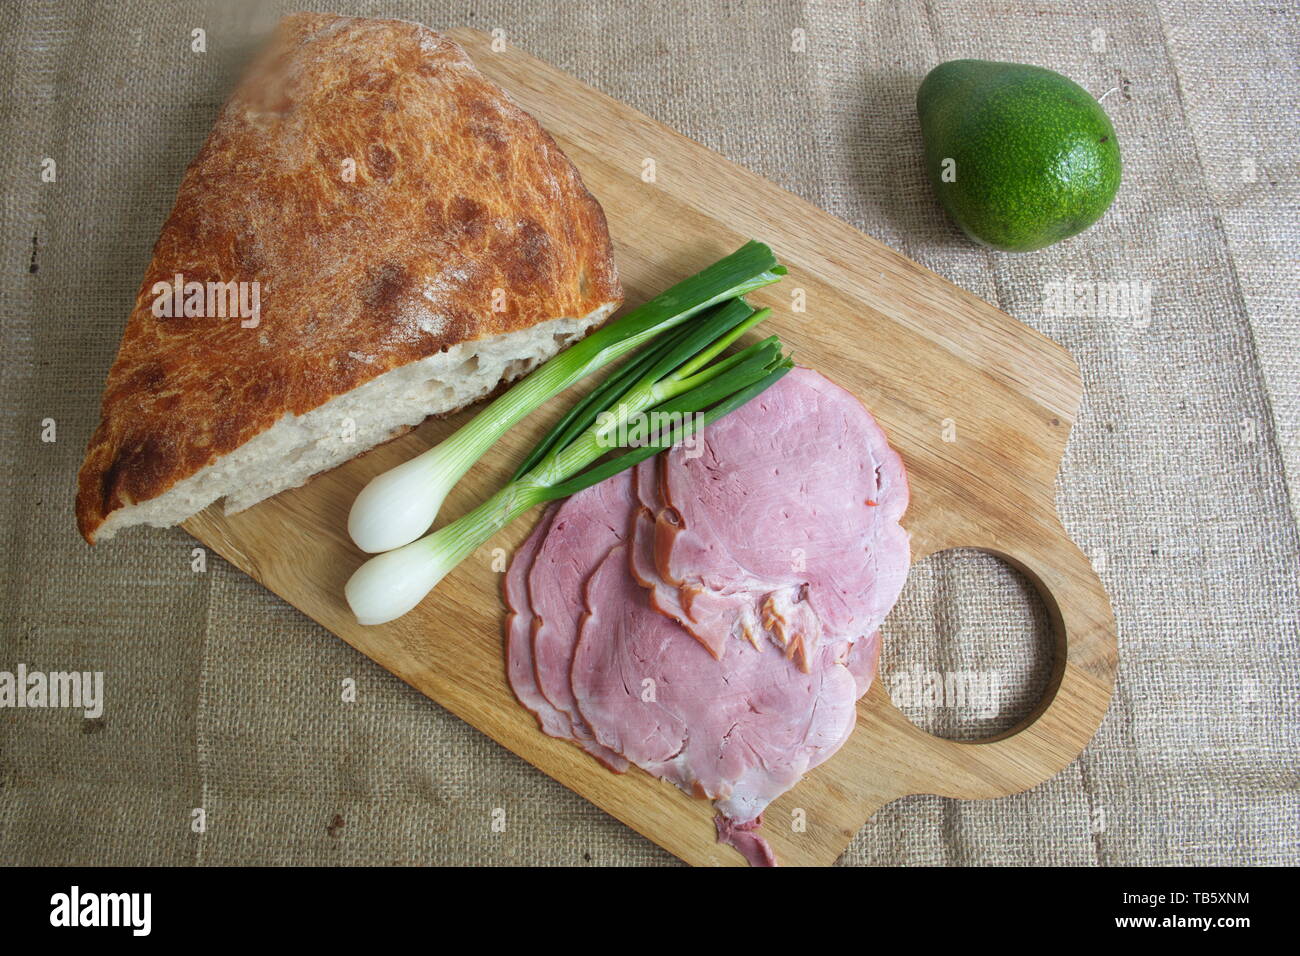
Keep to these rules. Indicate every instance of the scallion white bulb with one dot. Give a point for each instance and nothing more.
(390, 584)
(400, 505)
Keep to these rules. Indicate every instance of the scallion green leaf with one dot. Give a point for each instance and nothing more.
(608, 469)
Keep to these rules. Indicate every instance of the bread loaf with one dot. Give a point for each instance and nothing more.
(389, 237)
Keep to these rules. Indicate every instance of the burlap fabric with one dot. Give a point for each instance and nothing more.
(222, 697)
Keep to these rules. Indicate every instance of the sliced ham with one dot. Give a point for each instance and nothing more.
(786, 527)
(644, 610)
(642, 561)
(521, 623)
(740, 730)
(519, 634)
(860, 655)
(744, 839)
(582, 531)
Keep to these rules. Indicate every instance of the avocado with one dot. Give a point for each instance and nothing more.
(1020, 156)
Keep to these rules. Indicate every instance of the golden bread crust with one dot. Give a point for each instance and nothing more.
(389, 202)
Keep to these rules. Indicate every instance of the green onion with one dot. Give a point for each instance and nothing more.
(680, 381)
(594, 476)
(398, 506)
(721, 326)
(584, 412)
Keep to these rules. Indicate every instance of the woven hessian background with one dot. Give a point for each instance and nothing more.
(1178, 481)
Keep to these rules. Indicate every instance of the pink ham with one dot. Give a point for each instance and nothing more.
(520, 667)
(583, 530)
(663, 597)
(740, 730)
(786, 528)
(644, 609)
(862, 657)
(744, 839)
(519, 634)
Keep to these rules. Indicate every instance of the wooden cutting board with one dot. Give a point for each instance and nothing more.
(930, 360)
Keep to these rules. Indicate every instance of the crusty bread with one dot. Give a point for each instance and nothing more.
(462, 250)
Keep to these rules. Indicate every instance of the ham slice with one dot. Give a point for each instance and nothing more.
(740, 730)
(582, 531)
(519, 634)
(521, 625)
(785, 529)
(744, 839)
(860, 655)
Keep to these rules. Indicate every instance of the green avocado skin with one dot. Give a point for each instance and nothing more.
(1036, 156)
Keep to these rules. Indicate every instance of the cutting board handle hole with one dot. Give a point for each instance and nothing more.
(969, 651)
